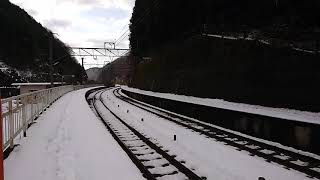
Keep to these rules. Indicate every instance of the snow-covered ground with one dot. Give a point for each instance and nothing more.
(288, 114)
(207, 157)
(15, 73)
(160, 110)
(68, 142)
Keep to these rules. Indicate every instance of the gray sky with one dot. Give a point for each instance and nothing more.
(86, 23)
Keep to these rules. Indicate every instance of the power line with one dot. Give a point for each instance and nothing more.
(124, 27)
(138, 21)
(123, 33)
(123, 38)
(147, 12)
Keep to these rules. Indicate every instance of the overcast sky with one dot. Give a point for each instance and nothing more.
(86, 23)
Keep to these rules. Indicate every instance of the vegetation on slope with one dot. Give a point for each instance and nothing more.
(156, 22)
(181, 60)
(24, 46)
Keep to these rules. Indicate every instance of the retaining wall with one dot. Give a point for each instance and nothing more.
(300, 135)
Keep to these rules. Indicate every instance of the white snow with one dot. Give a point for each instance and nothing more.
(207, 157)
(35, 84)
(223, 37)
(132, 141)
(69, 142)
(194, 121)
(8, 70)
(261, 41)
(303, 50)
(282, 113)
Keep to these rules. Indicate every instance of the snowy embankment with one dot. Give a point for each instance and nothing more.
(282, 113)
(263, 41)
(69, 142)
(17, 75)
(207, 157)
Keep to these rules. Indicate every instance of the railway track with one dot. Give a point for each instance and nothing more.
(288, 159)
(152, 160)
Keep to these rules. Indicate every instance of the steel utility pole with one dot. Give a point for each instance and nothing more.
(82, 75)
(50, 58)
(82, 62)
(1, 141)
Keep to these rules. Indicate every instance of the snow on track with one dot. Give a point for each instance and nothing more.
(294, 150)
(206, 156)
(139, 148)
(69, 142)
(273, 152)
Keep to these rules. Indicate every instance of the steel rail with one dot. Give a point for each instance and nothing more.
(183, 169)
(219, 134)
(133, 158)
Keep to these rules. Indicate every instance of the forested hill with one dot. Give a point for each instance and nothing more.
(155, 22)
(24, 49)
(262, 52)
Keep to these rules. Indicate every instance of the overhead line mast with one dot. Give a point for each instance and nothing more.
(112, 52)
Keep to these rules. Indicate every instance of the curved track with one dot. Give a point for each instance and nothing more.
(151, 159)
(289, 159)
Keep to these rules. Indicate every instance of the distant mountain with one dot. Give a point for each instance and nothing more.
(24, 47)
(120, 71)
(94, 74)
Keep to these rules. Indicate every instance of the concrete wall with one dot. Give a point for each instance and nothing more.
(303, 136)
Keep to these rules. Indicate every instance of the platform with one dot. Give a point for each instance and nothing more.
(69, 142)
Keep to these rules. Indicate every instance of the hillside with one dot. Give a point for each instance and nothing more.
(248, 52)
(94, 74)
(24, 48)
(119, 71)
(155, 23)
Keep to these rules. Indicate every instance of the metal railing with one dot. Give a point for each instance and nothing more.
(19, 112)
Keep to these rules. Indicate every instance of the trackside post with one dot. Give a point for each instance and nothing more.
(1, 143)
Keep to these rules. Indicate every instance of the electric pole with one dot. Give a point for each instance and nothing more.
(82, 62)
(50, 59)
(1, 141)
(82, 75)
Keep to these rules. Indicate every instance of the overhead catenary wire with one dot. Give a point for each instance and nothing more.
(123, 34)
(123, 38)
(135, 24)
(124, 27)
